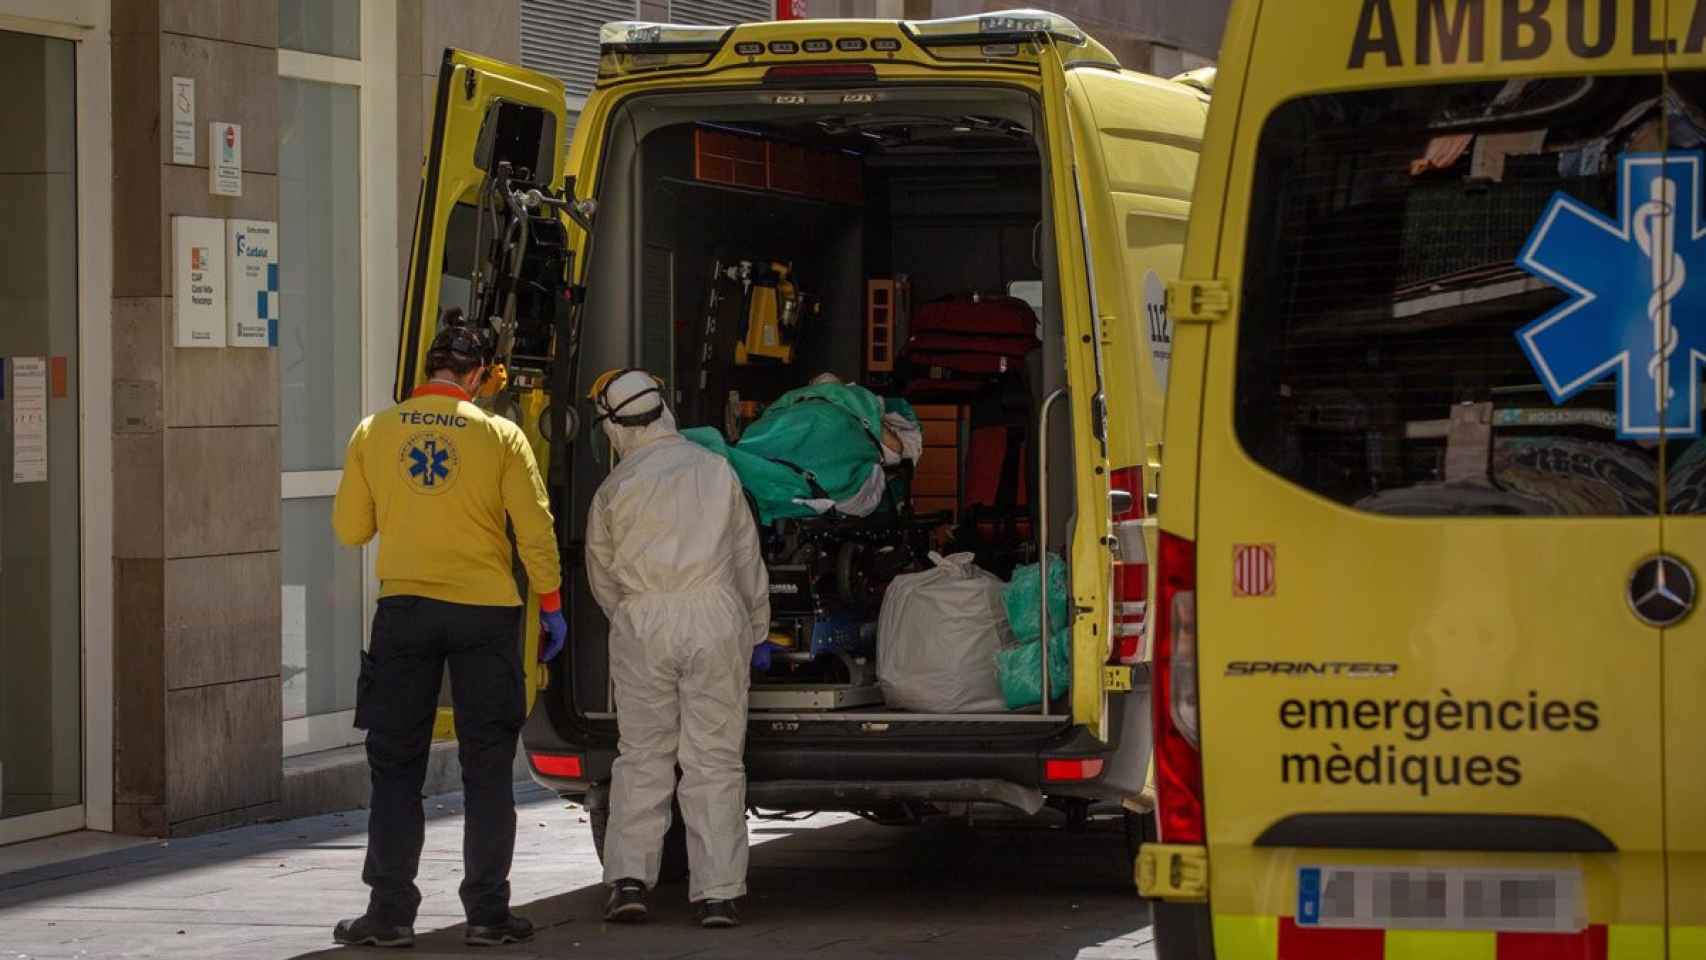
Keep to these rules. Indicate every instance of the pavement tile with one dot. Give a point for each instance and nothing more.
(829, 887)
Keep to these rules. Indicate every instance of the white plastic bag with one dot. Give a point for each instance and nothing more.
(938, 636)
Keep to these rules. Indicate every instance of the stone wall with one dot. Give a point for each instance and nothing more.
(197, 712)
(197, 734)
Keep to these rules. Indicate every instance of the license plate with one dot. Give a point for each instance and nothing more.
(1548, 901)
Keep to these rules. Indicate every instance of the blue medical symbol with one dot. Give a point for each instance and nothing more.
(428, 464)
(1637, 308)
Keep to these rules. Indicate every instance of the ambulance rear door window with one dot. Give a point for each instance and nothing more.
(1414, 337)
(1685, 466)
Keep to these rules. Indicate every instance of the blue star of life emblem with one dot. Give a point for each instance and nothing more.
(1637, 286)
(427, 463)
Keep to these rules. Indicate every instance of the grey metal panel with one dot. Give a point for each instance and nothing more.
(560, 37)
(717, 12)
(657, 310)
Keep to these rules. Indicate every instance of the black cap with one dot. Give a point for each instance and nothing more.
(459, 338)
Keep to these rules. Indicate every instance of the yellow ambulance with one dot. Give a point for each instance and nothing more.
(1429, 679)
(1004, 164)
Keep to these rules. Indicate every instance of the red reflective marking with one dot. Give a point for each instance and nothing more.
(1590, 944)
(1253, 570)
(1315, 943)
(557, 765)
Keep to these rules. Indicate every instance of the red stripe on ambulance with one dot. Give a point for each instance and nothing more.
(1329, 943)
(1590, 944)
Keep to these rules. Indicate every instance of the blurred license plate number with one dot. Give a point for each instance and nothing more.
(1457, 899)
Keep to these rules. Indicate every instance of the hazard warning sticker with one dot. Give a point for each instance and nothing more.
(1253, 570)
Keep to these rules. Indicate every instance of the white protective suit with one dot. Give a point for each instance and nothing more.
(673, 558)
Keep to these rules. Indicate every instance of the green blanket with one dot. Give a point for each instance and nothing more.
(812, 443)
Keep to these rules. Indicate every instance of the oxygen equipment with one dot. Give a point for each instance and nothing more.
(772, 313)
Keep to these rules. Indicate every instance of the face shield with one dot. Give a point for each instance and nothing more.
(624, 403)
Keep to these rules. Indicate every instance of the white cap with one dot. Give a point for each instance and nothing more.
(824, 378)
(629, 386)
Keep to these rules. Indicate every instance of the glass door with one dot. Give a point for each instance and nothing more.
(41, 669)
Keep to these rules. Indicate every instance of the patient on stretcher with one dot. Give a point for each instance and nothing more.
(821, 448)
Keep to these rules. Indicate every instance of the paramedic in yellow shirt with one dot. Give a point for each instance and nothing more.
(436, 477)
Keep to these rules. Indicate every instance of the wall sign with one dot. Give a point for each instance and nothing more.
(198, 281)
(183, 120)
(29, 419)
(251, 259)
(225, 159)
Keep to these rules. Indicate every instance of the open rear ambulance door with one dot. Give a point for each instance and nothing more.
(487, 243)
(1135, 151)
(487, 114)
(1087, 543)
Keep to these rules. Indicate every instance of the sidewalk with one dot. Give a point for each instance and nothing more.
(829, 886)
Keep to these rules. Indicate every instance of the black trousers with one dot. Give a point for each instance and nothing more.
(396, 700)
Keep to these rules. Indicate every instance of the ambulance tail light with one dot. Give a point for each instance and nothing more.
(1131, 568)
(1178, 757)
(567, 766)
(1072, 771)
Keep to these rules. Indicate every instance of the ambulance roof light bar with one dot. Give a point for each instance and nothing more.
(1006, 26)
(634, 36)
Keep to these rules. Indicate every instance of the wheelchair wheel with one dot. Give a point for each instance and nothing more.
(850, 579)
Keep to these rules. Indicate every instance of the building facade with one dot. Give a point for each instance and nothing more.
(179, 622)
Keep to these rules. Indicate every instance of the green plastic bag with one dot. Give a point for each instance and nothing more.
(1020, 671)
(814, 442)
(1021, 599)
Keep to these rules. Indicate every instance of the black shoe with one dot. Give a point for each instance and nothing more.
(365, 931)
(513, 929)
(718, 914)
(627, 903)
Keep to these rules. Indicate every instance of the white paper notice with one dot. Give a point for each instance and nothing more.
(29, 420)
(183, 120)
(225, 159)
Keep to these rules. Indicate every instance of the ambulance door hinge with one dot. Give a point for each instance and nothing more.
(1198, 301)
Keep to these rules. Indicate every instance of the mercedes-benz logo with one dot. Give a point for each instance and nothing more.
(1662, 591)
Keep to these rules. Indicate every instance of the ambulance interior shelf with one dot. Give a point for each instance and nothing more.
(1525, 457)
(1468, 431)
